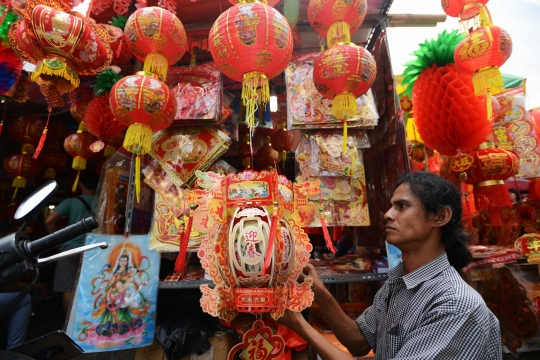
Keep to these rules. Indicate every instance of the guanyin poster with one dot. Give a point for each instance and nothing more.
(116, 295)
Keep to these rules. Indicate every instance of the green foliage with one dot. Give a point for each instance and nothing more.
(438, 51)
(119, 21)
(104, 81)
(9, 18)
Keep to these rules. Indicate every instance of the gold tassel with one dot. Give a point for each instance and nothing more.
(138, 136)
(485, 17)
(344, 106)
(156, 64)
(19, 182)
(246, 163)
(79, 163)
(283, 157)
(63, 71)
(50, 173)
(322, 47)
(76, 182)
(15, 194)
(193, 61)
(138, 176)
(251, 82)
(28, 149)
(82, 127)
(489, 105)
(344, 145)
(109, 151)
(487, 78)
(338, 32)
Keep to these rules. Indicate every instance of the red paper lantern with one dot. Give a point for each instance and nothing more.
(21, 166)
(52, 160)
(251, 43)
(78, 109)
(157, 38)
(26, 130)
(146, 105)
(267, 157)
(78, 146)
(23, 43)
(465, 9)
(271, 3)
(449, 117)
(481, 54)
(282, 141)
(336, 20)
(487, 169)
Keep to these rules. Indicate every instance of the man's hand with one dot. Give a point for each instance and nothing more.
(318, 286)
(292, 319)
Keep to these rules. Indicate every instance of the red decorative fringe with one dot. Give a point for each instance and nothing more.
(495, 216)
(271, 237)
(180, 261)
(492, 198)
(43, 137)
(180, 264)
(327, 238)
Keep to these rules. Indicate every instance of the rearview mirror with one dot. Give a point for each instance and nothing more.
(31, 205)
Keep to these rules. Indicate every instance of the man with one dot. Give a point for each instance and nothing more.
(75, 209)
(424, 310)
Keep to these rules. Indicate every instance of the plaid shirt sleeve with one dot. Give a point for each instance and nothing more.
(448, 332)
(368, 321)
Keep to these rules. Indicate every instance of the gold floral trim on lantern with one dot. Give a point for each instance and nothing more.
(59, 68)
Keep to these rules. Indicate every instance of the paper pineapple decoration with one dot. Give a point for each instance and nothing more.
(449, 116)
(251, 43)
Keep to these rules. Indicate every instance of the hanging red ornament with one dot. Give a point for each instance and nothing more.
(78, 146)
(115, 38)
(52, 160)
(100, 121)
(336, 20)
(78, 109)
(465, 9)
(26, 130)
(282, 141)
(146, 105)
(481, 54)
(343, 73)
(157, 38)
(21, 166)
(251, 43)
(487, 169)
(267, 157)
(271, 3)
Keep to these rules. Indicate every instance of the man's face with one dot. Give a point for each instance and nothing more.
(406, 221)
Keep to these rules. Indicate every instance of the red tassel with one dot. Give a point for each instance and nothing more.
(271, 237)
(491, 195)
(495, 216)
(119, 50)
(180, 264)
(1, 127)
(327, 238)
(43, 136)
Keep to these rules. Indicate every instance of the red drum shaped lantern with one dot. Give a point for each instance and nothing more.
(146, 105)
(487, 169)
(465, 9)
(157, 38)
(78, 146)
(481, 54)
(271, 3)
(26, 130)
(251, 43)
(336, 20)
(21, 166)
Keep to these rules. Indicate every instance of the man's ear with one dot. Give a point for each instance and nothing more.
(443, 217)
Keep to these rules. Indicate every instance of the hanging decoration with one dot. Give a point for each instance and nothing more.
(156, 37)
(271, 3)
(115, 38)
(487, 169)
(251, 43)
(257, 249)
(343, 73)
(52, 160)
(21, 167)
(448, 115)
(27, 131)
(282, 141)
(464, 9)
(267, 156)
(336, 20)
(146, 105)
(78, 146)
(480, 55)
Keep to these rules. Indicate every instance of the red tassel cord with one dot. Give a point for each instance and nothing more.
(326, 233)
(271, 237)
(43, 136)
(179, 266)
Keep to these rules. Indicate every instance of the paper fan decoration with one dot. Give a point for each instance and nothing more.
(449, 116)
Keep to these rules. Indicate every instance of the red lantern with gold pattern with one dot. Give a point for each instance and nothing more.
(146, 105)
(156, 37)
(115, 38)
(282, 141)
(481, 54)
(21, 166)
(78, 146)
(336, 20)
(251, 43)
(78, 108)
(52, 160)
(465, 9)
(487, 169)
(267, 157)
(26, 130)
(271, 3)
(24, 44)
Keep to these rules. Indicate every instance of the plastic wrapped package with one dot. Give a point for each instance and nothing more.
(113, 191)
(198, 95)
(170, 193)
(308, 109)
(181, 151)
(222, 167)
(115, 301)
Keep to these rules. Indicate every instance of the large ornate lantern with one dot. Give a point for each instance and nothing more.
(481, 54)
(251, 43)
(487, 169)
(336, 20)
(343, 73)
(257, 249)
(157, 38)
(465, 9)
(78, 146)
(146, 105)
(21, 166)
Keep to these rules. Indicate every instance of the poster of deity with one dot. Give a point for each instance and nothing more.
(115, 303)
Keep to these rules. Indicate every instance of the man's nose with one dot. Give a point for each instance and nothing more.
(389, 216)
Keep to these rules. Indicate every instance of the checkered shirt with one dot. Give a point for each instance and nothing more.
(430, 313)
